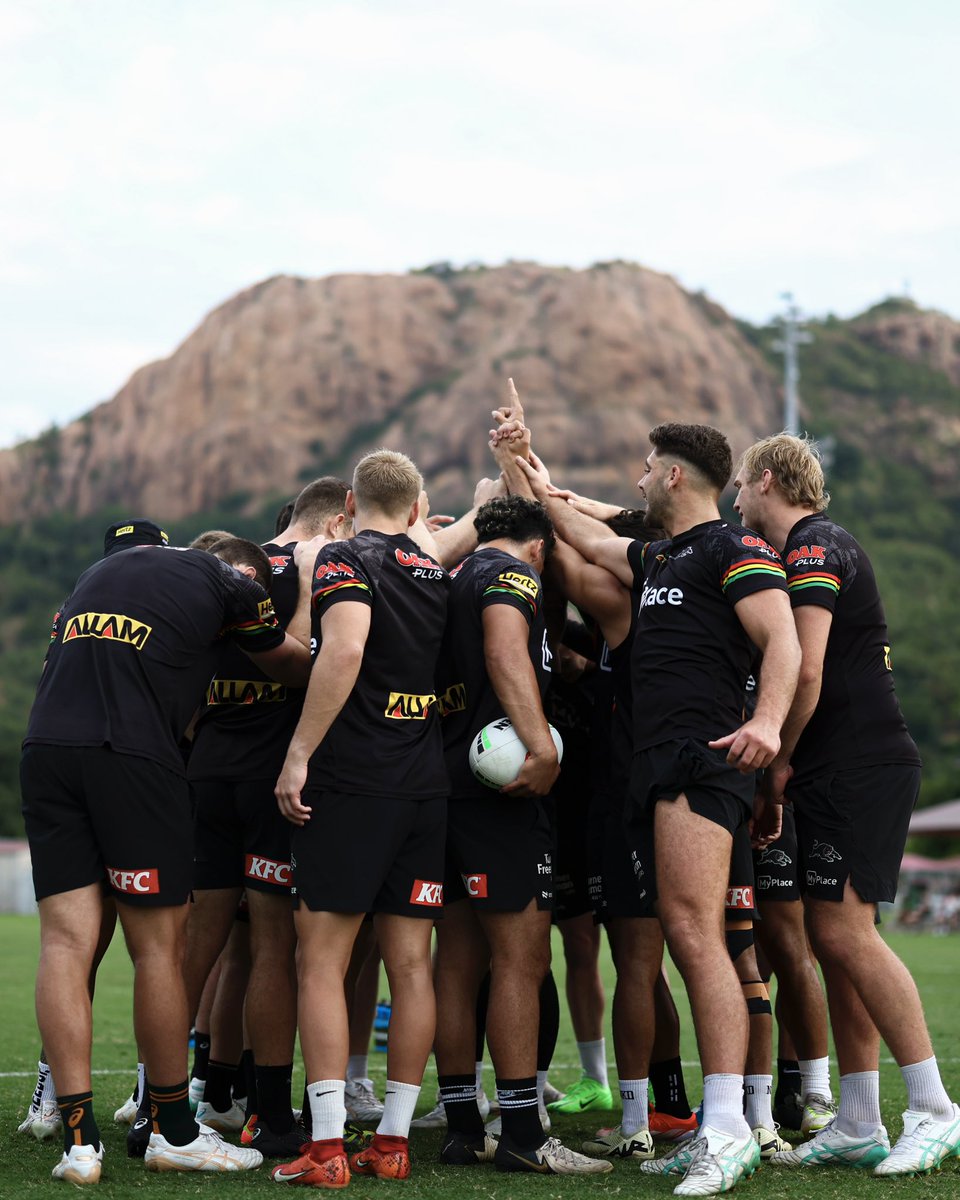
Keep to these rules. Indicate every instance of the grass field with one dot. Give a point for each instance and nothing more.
(25, 1164)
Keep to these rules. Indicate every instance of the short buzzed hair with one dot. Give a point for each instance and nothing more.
(318, 502)
(794, 463)
(237, 550)
(516, 518)
(700, 446)
(387, 481)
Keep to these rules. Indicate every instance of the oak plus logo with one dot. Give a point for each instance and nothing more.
(138, 881)
(421, 568)
(268, 870)
(429, 894)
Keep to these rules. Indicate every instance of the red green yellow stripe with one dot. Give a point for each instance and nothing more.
(815, 579)
(515, 593)
(320, 593)
(751, 566)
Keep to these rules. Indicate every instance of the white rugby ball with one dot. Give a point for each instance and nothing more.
(497, 754)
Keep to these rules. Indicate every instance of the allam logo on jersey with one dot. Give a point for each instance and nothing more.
(245, 691)
(430, 894)
(268, 870)
(476, 886)
(807, 556)
(652, 594)
(825, 851)
(422, 568)
(454, 699)
(740, 897)
(405, 706)
(113, 627)
(140, 881)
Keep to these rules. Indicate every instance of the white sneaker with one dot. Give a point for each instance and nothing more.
(617, 1144)
(674, 1162)
(126, 1114)
(833, 1147)
(231, 1121)
(207, 1152)
(552, 1094)
(80, 1164)
(770, 1141)
(436, 1118)
(195, 1092)
(719, 1162)
(924, 1145)
(361, 1101)
(818, 1112)
(553, 1158)
(42, 1120)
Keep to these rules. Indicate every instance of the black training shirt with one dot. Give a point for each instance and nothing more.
(136, 644)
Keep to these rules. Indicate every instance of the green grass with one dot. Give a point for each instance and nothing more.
(25, 1165)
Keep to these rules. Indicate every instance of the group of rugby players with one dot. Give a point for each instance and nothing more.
(722, 679)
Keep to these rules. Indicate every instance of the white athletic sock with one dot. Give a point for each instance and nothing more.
(757, 1090)
(858, 1113)
(633, 1097)
(328, 1113)
(815, 1078)
(357, 1066)
(478, 1069)
(48, 1089)
(723, 1104)
(398, 1108)
(141, 1081)
(925, 1092)
(593, 1059)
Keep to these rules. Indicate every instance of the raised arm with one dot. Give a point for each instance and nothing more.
(594, 590)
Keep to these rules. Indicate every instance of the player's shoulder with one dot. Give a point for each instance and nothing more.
(281, 556)
(741, 540)
(814, 538)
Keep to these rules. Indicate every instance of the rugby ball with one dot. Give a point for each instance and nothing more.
(497, 754)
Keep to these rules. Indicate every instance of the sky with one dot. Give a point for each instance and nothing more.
(158, 158)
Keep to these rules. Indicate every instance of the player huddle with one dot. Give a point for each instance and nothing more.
(720, 679)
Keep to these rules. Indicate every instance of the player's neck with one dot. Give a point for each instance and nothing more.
(380, 522)
(778, 523)
(690, 511)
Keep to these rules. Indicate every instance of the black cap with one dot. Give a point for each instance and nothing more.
(135, 532)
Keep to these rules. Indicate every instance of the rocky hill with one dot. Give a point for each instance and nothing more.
(294, 377)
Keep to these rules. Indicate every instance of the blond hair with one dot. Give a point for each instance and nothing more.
(794, 463)
(388, 481)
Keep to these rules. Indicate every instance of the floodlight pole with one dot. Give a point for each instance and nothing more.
(793, 335)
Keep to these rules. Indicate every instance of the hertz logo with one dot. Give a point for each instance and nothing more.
(265, 610)
(522, 582)
(245, 691)
(454, 699)
(108, 626)
(404, 706)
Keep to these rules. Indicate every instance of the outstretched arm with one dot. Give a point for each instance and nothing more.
(593, 590)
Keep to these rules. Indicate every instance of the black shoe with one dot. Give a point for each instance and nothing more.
(788, 1110)
(138, 1137)
(355, 1137)
(467, 1149)
(278, 1145)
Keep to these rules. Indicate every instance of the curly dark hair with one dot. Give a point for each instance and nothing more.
(515, 518)
(702, 446)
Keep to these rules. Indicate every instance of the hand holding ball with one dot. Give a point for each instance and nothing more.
(497, 754)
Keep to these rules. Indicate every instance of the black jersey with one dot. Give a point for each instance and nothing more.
(613, 720)
(248, 719)
(857, 720)
(386, 739)
(136, 644)
(691, 656)
(468, 702)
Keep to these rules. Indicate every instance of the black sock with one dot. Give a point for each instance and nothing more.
(201, 1054)
(306, 1115)
(483, 1001)
(788, 1079)
(79, 1124)
(143, 1104)
(245, 1082)
(219, 1089)
(549, 1029)
(669, 1091)
(172, 1118)
(273, 1098)
(518, 1111)
(458, 1095)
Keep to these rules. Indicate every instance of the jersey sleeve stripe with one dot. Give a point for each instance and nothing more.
(336, 587)
(814, 579)
(248, 627)
(514, 593)
(753, 566)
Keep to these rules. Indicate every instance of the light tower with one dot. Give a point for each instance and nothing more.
(793, 335)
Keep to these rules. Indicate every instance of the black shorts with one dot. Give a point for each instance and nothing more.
(688, 767)
(740, 904)
(776, 867)
(241, 837)
(571, 890)
(499, 853)
(92, 814)
(376, 854)
(629, 873)
(853, 825)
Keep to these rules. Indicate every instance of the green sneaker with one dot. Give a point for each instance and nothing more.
(586, 1095)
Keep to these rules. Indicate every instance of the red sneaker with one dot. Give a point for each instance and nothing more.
(246, 1134)
(386, 1157)
(321, 1164)
(667, 1128)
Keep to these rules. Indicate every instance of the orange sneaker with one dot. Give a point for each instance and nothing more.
(667, 1128)
(321, 1164)
(386, 1157)
(247, 1133)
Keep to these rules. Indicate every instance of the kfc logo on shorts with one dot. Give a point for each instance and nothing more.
(266, 869)
(430, 894)
(740, 897)
(476, 886)
(145, 882)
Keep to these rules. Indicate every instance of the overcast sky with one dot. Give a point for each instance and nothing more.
(159, 157)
